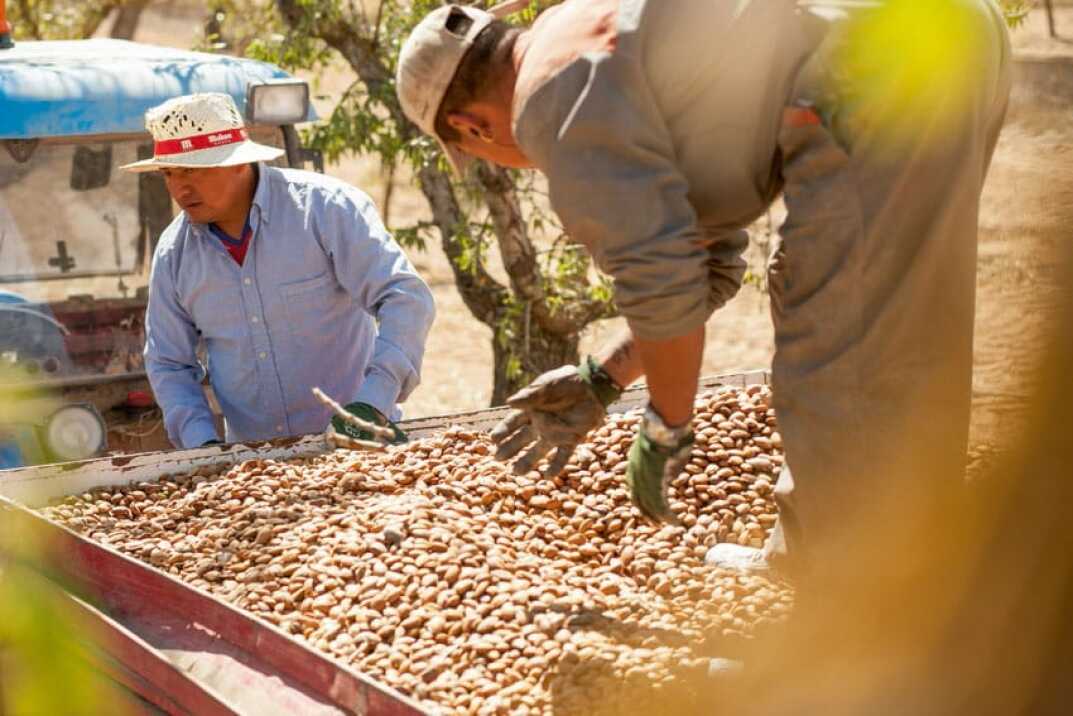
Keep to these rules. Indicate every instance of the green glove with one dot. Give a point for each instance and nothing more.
(656, 458)
(369, 414)
(606, 390)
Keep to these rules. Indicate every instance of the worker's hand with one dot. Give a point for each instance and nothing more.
(556, 411)
(656, 457)
(369, 414)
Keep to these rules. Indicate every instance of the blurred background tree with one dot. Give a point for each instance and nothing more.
(1017, 10)
(66, 20)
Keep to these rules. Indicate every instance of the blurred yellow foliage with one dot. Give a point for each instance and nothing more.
(907, 65)
(41, 671)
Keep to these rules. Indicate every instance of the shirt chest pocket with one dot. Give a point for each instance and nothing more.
(313, 304)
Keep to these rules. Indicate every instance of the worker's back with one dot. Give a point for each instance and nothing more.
(721, 72)
(656, 125)
(693, 88)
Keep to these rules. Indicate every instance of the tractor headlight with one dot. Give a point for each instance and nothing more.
(76, 432)
(277, 102)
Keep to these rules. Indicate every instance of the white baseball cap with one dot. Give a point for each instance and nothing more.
(429, 59)
(200, 130)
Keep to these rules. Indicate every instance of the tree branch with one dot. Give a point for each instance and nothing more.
(481, 293)
(590, 311)
(359, 51)
(519, 257)
(126, 22)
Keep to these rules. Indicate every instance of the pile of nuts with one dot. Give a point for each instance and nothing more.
(433, 569)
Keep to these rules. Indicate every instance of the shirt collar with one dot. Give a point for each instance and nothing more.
(260, 194)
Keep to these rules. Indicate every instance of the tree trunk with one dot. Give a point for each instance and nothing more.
(389, 191)
(127, 17)
(539, 352)
(95, 14)
(481, 293)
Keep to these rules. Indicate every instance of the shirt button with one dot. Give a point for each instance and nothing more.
(279, 428)
(254, 319)
(262, 355)
(247, 281)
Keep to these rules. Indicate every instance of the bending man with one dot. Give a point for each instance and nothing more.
(666, 128)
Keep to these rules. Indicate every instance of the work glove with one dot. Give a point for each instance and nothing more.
(656, 457)
(371, 415)
(555, 412)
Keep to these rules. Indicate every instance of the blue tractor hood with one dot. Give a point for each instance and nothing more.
(87, 87)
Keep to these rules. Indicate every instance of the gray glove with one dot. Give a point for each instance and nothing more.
(556, 411)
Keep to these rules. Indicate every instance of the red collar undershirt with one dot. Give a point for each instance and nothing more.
(236, 247)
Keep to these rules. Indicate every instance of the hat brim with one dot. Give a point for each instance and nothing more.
(245, 152)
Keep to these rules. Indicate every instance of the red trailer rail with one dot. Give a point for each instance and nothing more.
(188, 652)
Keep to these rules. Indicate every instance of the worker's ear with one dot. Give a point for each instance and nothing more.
(471, 124)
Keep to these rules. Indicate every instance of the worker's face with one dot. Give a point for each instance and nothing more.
(209, 194)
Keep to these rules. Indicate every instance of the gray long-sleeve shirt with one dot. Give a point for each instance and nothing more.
(301, 311)
(659, 153)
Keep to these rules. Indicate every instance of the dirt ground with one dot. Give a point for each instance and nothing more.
(1024, 217)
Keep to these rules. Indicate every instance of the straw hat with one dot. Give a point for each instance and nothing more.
(200, 130)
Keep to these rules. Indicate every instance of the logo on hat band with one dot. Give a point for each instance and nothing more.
(199, 141)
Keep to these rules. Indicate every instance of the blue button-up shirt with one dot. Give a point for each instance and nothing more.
(324, 298)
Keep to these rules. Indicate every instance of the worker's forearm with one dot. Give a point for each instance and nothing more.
(621, 360)
(672, 368)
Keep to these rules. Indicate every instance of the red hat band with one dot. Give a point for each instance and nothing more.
(199, 141)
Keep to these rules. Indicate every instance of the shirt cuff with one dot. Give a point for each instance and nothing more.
(380, 391)
(664, 319)
(197, 433)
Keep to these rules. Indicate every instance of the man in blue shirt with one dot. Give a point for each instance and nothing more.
(289, 278)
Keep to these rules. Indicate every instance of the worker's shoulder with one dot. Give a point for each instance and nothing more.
(170, 247)
(581, 52)
(306, 186)
(563, 36)
(173, 238)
